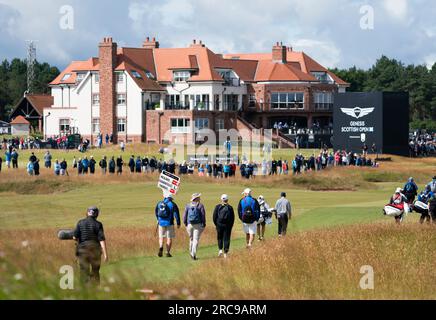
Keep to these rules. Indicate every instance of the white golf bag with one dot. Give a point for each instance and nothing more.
(390, 210)
(420, 207)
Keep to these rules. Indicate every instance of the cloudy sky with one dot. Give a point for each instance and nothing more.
(337, 33)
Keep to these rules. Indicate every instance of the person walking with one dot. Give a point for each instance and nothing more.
(47, 160)
(92, 163)
(103, 165)
(264, 215)
(91, 244)
(224, 219)
(120, 165)
(410, 190)
(57, 167)
(64, 167)
(14, 157)
(132, 164)
(283, 214)
(165, 211)
(29, 168)
(1, 160)
(112, 165)
(8, 158)
(249, 213)
(194, 219)
(36, 167)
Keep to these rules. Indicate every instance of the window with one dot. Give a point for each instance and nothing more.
(121, 125)
(80, 77)
(287, 100)
(229, 78)
(323, 100)
(95, 99)
(180, 125)
(96, 78)
(322, 77)
(172, 101)
(136, 74)
(251, 100)
(120, 77)
(219, 124)
(96, 125)
(66, 77)
(201, 123)
(64, 125)
(149, 75)
(231, 102)
(181, 76)
(121, 99)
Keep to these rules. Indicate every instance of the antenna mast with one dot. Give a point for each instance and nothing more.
(31, 59)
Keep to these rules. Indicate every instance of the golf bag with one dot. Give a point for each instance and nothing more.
(420, 207)
(390, 210)
(66, 234)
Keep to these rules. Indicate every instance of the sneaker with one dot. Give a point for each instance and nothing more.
(225, 255)
(169, 255)
(160, 253)
(194, 257)
(220, 253)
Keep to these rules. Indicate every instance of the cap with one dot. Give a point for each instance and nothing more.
(283, 194)
(93, 211)
(398, 190)
(224, 197)
(247, 191)
(195, 196)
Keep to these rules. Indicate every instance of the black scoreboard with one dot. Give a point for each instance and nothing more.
(371, 117)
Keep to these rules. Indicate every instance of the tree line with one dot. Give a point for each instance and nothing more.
(392, 75)
(13, 82)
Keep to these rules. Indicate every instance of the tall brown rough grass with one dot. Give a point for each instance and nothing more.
(326, 265)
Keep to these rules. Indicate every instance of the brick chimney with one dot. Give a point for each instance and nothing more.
(198, 44)
(107, 60)
(153, 44)
(279, 53)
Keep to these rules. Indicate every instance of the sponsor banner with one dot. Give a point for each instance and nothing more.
(357, 120)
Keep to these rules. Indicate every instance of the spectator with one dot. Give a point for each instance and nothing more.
(283, 214)
(249, 212)
(194, 219)
(224, 218)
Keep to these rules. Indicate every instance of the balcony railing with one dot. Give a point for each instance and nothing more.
(324, 106)
(232, 82)
(232, 106)
(177, 106)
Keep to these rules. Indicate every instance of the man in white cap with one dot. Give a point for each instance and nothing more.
(195, 222)
(224, 218)
(249, 213)
(399, 201)
(165, 211)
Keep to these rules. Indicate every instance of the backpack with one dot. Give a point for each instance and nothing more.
(223, 216)
(248, 214)
(194, 216)
(163, 211)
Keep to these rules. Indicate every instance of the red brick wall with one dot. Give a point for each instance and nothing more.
(107, 60)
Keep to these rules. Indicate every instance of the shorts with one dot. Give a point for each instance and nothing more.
(167, 232)
(250, 228)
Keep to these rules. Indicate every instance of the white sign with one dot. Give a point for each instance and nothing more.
(169, 183)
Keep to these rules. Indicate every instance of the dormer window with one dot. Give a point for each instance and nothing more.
(66, 77)
(136, 74)
(229, 77)
(149, 75)
(80, 77)
(322, 77)
(181, 76)
(120, 77)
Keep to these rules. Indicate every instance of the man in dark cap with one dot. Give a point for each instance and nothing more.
(283, 213)
(91, 244)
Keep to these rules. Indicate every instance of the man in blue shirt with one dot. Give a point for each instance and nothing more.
(165, 211)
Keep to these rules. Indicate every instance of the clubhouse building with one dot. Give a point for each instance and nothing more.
(162, 95)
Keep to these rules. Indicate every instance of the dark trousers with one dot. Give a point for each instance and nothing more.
(223, 235)
(410, 197)
(283, 225)
(432, 211)
(14, 164)
(89, 262)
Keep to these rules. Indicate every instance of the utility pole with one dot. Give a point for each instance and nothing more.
(31, 60)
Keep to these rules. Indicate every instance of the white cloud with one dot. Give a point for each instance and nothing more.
(325, 53)
(396, 8)
(430, 60)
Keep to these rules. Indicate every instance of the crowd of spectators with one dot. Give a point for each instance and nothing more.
(422, 144)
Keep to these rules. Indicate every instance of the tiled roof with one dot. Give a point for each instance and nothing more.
(40, 101)
(20, 120)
